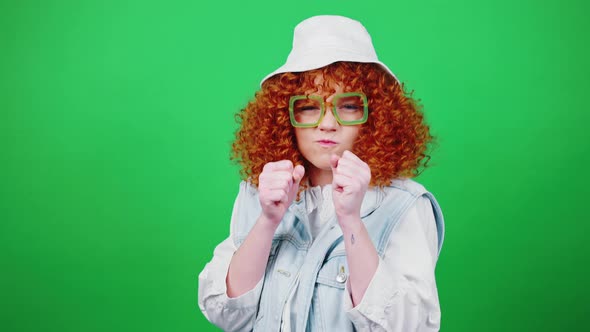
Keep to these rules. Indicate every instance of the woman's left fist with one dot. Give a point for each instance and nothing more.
(350, 180)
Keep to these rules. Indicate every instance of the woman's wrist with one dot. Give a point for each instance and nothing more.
(267, 225)
(350, 223)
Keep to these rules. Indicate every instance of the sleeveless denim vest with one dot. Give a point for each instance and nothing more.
(321, 265)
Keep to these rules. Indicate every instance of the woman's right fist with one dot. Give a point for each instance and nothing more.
(278, 185)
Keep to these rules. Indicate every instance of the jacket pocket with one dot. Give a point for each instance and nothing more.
(327, 310)
(334, 272)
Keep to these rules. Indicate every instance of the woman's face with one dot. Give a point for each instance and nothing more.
(317, 144)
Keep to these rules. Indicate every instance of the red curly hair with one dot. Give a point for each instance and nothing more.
(393, 141)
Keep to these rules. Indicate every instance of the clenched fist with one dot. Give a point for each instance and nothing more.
(350, 179)
(277, 186)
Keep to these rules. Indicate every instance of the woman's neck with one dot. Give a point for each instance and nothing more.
(320, 177)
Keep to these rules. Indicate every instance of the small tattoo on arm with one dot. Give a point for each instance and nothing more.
(352, 238)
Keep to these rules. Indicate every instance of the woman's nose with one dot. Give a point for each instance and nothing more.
(329, 122)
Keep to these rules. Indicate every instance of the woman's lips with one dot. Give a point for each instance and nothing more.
(326, 143)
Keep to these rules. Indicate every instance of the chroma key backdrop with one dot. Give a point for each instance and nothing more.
(116, 119)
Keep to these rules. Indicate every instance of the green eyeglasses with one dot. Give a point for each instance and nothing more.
(349, 109)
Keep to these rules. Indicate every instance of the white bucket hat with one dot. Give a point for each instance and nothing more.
(321, 40)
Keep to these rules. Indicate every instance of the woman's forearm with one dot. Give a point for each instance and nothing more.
(361, 256)
(248, 264)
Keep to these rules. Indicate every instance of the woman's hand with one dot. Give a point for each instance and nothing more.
(277, 186)
(350, 179)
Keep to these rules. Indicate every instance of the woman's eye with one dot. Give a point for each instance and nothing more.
(307, 108)
(350, 107)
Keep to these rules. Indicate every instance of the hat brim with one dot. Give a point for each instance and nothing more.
(322, 62)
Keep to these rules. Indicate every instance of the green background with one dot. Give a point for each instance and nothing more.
(116, 119)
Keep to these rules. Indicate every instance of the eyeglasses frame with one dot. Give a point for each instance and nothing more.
(320, 99)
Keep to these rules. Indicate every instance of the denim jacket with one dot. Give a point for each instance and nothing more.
(319, 268)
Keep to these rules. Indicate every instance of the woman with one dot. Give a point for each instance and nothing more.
(328, 232)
